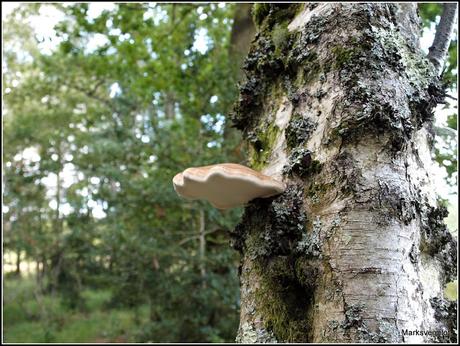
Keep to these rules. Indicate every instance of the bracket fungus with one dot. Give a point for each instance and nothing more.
(225, 185)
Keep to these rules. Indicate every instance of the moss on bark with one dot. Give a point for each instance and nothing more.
(348, 156)
(262, 141)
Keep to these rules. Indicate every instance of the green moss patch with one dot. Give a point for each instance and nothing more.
(283, 301)
(262, 141)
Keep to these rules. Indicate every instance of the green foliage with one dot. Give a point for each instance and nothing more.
(33, 317)
(446, 148)
(111, 124)
(428, 12)
(446, 144)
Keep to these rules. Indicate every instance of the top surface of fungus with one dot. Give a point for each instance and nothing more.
(225, 185)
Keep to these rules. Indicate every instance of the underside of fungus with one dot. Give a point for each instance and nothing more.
(225, 185)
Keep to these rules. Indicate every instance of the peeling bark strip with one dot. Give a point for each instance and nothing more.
(338, 102)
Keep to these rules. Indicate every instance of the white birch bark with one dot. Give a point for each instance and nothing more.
(338, 103)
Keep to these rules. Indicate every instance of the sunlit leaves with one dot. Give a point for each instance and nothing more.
(121, 98)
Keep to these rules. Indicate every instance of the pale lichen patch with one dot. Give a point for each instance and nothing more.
(306, 15)
(249, 335)
(417, 67)
(278, 158)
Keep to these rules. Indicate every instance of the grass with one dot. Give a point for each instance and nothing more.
(32, 317)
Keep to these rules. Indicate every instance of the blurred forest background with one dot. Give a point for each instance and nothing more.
(99, 113)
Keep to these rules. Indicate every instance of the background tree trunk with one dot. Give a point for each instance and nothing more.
(338, 103)
(202, 247)
(243, 31)
(18, 262)
(242, 34)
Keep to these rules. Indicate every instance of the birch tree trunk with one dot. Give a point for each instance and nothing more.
(338, 104)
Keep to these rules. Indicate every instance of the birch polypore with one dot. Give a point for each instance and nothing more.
(225, 185)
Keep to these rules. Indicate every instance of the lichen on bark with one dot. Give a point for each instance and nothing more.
(269, 233)
(340, 99)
